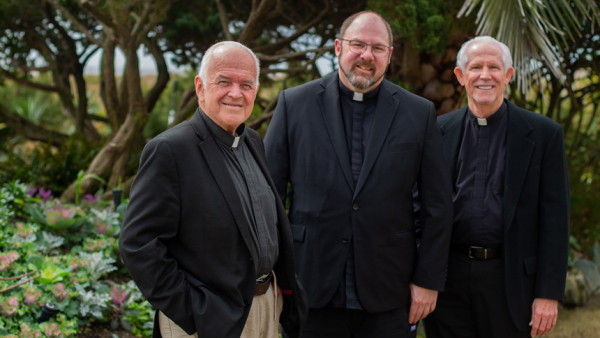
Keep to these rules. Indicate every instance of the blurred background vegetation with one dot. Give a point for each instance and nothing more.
(56, 120)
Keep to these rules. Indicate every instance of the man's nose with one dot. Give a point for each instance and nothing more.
(485, 73)
(368, 53)
(235, 91)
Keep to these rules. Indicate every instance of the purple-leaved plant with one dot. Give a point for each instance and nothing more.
(59, 292)
(90, 198)
(9, 307)
(45, 194)
(31, 295)
(7, 259)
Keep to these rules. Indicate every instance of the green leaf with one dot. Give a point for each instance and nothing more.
(35, 262)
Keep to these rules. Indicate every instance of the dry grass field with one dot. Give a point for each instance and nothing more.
(580, 322)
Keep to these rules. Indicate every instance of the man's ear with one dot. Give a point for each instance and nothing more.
(459, 75)
(199, 88)
(390, 56)
(509, 74)
(338, 47)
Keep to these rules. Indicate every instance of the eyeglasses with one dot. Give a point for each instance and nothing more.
(359, 47)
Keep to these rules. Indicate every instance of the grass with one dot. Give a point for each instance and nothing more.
(579, 322)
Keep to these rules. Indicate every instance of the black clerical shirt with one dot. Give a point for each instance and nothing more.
(258, 200)
(346, 295)
(479, 182)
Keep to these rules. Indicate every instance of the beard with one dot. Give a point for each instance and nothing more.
(361, 81)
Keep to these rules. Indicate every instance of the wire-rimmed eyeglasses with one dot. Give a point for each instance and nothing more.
(359, 47)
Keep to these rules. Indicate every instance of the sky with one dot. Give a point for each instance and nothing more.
(148, 66)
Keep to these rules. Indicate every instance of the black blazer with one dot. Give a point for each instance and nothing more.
(306, 146)
(535, 206)
(184, 238)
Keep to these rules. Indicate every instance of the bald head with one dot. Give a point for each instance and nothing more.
(348, 22)
(220, 49)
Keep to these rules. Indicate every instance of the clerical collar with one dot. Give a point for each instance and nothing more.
(358, 96)
(222, 135)
(490, 120)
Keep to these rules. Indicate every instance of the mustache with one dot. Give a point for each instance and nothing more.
(369, 64)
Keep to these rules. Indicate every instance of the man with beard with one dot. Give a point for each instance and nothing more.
(352, 146)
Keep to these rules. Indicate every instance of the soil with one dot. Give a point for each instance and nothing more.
(102, 330)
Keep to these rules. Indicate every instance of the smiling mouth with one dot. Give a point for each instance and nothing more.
(485, 87)
(365, 68)
(233, 105)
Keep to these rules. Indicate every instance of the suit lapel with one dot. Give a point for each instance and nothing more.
(216, 162)
(386, 109)
(329, 102)
(452, 131)
(519, 149)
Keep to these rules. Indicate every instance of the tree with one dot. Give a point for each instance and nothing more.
(64, 34)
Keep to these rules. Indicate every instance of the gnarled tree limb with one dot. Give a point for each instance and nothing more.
(29, 129)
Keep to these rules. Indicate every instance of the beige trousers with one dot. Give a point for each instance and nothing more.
(263, 319)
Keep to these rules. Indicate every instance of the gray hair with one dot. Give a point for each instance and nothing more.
(206, 58)
(461, 57)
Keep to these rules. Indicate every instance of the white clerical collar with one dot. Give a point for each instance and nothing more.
(358, 96)
(236, 141)
(481, 122)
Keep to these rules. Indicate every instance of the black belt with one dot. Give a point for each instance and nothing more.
(262, 284)
(476, 252)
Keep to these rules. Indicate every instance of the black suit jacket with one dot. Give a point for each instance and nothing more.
(185, 241)
(306, 146)
(535, 206)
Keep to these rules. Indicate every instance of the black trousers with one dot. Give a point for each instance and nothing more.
(473, 304)
(344, 323)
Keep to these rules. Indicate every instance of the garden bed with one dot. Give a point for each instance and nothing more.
(65, 255)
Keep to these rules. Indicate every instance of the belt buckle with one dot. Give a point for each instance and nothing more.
(264, 278)
(477, 247)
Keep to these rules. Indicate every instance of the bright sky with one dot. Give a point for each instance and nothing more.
(148, 66)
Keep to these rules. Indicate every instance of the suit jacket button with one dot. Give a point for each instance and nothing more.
(344, 240)
(247, 303)
(355, 207)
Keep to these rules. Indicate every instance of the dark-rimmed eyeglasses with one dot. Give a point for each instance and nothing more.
(359, 47)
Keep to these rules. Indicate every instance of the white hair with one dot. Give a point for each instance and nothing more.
(208, 56)
(462, 59)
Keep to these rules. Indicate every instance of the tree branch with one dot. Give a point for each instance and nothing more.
(224, 21)
(90, 54)
(187, 107)
(283, 57)
(255, 22)
(276, 46)
(163, 74)
(30, 84)
(29, 129)
(80, 26)
(20, 283)
(98, 118)
(142, 19)
(103, 19)
(266, 115)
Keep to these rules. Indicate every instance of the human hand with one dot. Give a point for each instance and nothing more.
(422, 302)
(543, 318)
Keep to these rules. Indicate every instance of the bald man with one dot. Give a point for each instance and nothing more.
(205, 236)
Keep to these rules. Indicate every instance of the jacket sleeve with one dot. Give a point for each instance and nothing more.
(153, 217)
(435, 212)
(277, 148)
(554, 204)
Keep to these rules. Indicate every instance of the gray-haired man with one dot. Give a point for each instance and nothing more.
(205, 237)
(509, 247)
